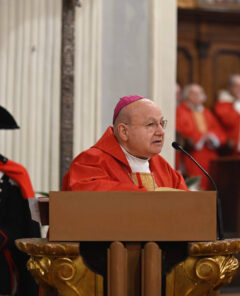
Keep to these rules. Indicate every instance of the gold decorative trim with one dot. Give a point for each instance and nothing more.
(59, 265)
(186, 4)
(209, 266)
(199, 276)
(38, 246)
(223, 247)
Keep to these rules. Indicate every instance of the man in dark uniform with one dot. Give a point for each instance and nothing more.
(15, 222)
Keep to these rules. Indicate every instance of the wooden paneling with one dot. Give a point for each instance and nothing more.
(225, 63)
(208, 49)
(187, 66)
(225, 174)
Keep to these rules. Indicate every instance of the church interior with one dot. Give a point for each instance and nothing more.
(64, 66)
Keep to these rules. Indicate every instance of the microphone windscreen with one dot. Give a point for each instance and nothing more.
(175, 145)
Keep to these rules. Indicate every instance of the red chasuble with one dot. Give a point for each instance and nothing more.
(188, 128)
(104, 167)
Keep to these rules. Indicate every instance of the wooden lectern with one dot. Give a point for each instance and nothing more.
(132, 216)
(138, 227)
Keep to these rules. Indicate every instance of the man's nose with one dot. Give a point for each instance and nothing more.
(159, 129)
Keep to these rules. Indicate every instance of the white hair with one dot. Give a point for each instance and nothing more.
(187, 88)
(232, 79)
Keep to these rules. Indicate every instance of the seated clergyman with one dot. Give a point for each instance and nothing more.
(126, 157)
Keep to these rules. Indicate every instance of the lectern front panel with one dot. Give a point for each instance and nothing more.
(132, 216)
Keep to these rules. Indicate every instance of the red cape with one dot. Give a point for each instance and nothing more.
(20, 175)
(104, 167)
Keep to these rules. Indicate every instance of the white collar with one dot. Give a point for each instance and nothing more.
(138, 165)
(198, 108)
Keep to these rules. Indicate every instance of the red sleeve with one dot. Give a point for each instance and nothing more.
(165, 175)
(215, 127)
(226, 114)
(98, 182)
(96, 174)
(185, 124)
(179, 182)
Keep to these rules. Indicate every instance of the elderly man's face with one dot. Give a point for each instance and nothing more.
(195, 95)
(145, 133)
(235, 88)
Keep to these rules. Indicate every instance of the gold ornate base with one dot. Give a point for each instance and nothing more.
(58, 265)
(209, 266)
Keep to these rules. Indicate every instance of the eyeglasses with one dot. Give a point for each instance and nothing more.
(153, 125)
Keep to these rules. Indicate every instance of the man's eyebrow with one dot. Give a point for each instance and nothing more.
(152, 118)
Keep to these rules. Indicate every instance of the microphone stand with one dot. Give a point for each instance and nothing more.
(177, 146)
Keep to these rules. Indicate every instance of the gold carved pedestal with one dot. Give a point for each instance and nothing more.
(209, 266)
(58, 268)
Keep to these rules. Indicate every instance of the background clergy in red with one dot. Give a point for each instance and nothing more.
(227, 109)
(200, 129)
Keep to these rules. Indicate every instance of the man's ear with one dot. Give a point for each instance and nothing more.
(122, 132)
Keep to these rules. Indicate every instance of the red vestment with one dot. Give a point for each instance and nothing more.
(187, 127)
(104, 167)
(230, 120)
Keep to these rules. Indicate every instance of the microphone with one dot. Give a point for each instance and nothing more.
(177, 146)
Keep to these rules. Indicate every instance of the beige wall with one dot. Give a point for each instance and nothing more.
(88, 73)
(163, 65)
(30, 84)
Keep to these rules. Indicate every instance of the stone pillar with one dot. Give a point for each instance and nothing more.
(67, 86)
(163, 14)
